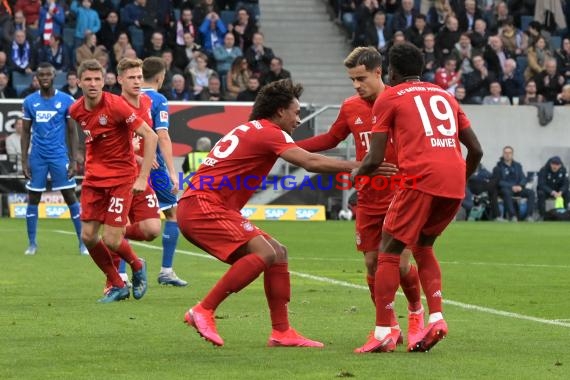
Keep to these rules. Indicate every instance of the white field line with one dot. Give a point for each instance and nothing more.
(482, 309)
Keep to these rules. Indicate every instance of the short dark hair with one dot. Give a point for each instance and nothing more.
(152, 66)
(364, 55)
(46, 65)
(406, 59)
(90, 65)
(274, 96)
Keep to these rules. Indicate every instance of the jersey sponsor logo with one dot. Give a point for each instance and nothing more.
(131, 118)
(365, 140)
(44, 116)
(305, 213)
(209, 161)
(163, 116)
(55, 211)
(103, 119)
(274, 213)
(247, 212)
(358, 121)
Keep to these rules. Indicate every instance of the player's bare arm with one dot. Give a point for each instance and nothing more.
(25, 143)
(375, 156)
(150, 141)
(474, 151)
(317, 163)
(165, 146)
(73, 145)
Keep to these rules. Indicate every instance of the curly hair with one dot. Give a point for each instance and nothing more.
(274, 96)
(406, 59)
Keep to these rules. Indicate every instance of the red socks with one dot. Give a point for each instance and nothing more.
(101, 255)
(410, 283)
(277, 284)
(134, 232)
(430, 277)
(130, 257)
(240, 274)
(387, 282)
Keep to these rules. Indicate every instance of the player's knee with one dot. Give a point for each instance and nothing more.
(89, 238)
(151, 231)
(69, 196)
(281, 253)
(112, 240)
(371, 265)
(34, 198)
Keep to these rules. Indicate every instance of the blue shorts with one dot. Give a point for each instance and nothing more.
(160, 182)
(57, 170)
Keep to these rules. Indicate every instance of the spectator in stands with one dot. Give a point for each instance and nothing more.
(431, 58)
(416, 33)
(495, 55)
(463, 52)
(194, 159)
(447, 77)
(136, 19)
(499, 15)
(212, 92)
(161, 15)
(518, 8)
(179, 89)
(533, 32)
(89, 49)
(20, 24)
(537, 54)
(55, 53)
(121, 46)
(512, 182)
(31, 11)
(156, 46)
(405, 17)
(379, 33)
(237, 78)
(243, 29)
(51, 21)
(482, 181)
(4, 63)
(200, 74)
(130, 53)
(479, 35)
(460, 94)
(448, 37)
(171, 70)
(33, 87)
(22, 56)
(276, 72)
(225, 54)
(102, 7)
(438, 14)
(72, 87)
(110, 32)
(6, 24)
(87, 21)
(477, 82)
(250, 93)
(495, 97)
(6, 91)
(552, 183)
(467, 16)
(562, 55)
(252, 7)
(549, 82)
(111, 84)
(212, 32)
(511, 81)
(531, 96)
(203, 9)
(14, 145)
(363, 20)
(185, 25)
(258, 55)
(185, 57)
(347, 8)
(512, 38)
(563, 99)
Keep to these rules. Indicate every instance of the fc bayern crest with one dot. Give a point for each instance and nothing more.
(247, 226)
(103, 119)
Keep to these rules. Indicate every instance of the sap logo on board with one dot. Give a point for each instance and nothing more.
(55, 211)
(272, 213)
(20, 211)
(306, 213)
(247, 212)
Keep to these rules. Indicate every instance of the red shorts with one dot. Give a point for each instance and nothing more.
(144, 206)
(212, 226)
(413, 212)
(368, 230)
(107, 205)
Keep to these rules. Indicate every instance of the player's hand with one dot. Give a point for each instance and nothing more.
(26, 170)
(140, 185)
(155, 164)
(386, 169)
(174, 181)
(71, 170)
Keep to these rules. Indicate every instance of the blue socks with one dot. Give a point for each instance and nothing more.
(32, 223)
(123, 266)
(75, 218)
(169, 241)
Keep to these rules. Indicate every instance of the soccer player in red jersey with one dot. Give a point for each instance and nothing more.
(110, 176)
(209, 211)
(427, 125)
(364, 66)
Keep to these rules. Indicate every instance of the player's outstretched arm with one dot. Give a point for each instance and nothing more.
(375, 155)
(317, 163)
(25, 144)
(474, 151)
(165, 146)
(319, 143)
(73, 145)
(150, 141)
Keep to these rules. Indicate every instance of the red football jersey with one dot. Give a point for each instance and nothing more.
(355, 116)
(424, 121)
(239, 162)
(142, 111)
(109, 157)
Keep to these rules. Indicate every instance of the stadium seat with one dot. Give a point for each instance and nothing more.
(228, 17)
(176, 14)
(525, 21)
(554, 42)
(522, 63)
(21, 81)
(60, 80)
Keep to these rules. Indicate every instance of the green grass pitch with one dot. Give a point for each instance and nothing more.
(506, 286)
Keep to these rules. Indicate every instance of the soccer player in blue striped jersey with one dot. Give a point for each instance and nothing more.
(166, 185)
(49, 146)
